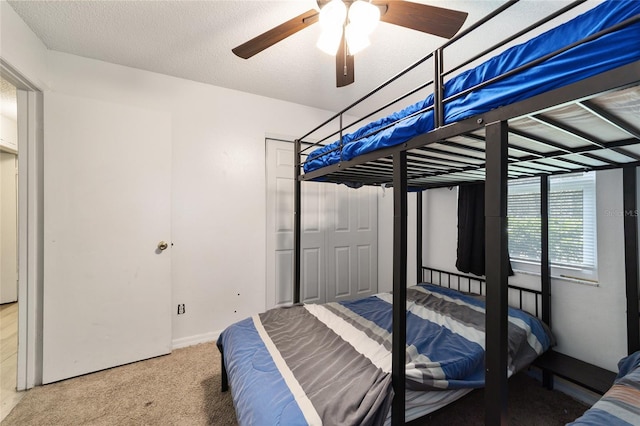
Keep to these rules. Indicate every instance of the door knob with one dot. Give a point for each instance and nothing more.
(162, 245)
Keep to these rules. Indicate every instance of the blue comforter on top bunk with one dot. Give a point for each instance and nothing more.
(586, 60)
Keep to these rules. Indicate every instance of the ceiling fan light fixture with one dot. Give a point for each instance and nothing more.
(364, 15)
(357, 39)
(329, 40)
(333, 14)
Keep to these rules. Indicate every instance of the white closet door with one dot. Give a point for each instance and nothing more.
(279, 280)
(107, 284)
(352, 242)
(312, 245)
(319, 220)
(280, 231)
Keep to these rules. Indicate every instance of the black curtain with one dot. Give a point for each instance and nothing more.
(471, 222)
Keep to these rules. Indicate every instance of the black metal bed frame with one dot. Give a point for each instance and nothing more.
(378, 169)
(468, 284)
(390, 166)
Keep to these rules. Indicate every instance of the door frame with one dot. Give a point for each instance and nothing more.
(30, 225)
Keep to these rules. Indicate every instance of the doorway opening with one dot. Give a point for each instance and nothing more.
(8, 244)
(21, 206)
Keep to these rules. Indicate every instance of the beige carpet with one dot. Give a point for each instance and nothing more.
(184, 389)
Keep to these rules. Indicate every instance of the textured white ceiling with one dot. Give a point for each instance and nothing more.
(193, 40)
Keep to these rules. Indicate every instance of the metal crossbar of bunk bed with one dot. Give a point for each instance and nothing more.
(477, 285)
(390, 166)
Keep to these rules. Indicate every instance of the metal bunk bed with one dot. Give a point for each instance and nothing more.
(504, 143)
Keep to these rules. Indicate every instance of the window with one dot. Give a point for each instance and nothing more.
(572, 225)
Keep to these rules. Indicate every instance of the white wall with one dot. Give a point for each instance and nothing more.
(218, 189)
(440, 238)
(8, 133)
(385, 239)
(588, 321)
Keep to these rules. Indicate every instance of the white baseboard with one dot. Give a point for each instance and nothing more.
(183, 342)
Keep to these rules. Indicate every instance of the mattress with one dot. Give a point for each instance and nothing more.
(620, 405)
(575, 64)
(331, 364)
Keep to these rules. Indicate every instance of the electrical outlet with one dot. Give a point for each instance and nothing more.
(181, 308)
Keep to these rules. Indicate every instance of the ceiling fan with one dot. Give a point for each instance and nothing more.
(421, 17)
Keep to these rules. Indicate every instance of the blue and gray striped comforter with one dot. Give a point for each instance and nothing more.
(620, 406)
(331, 364)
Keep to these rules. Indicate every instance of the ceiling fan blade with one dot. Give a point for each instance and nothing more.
(345, 72)
(276, 34)
(422, 17)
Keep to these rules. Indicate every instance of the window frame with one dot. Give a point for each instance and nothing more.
(586, 181)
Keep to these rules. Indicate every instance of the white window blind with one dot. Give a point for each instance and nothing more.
(572, 222)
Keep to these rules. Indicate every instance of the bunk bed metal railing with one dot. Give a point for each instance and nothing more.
(438, 81)
(439, 102)
(340, 115)
(477, 285)
(513, 37)
(543, 58)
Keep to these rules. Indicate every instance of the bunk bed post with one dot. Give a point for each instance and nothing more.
(399, 331)
(297, 222)
(419, 237)
(438, 91)
(629, 185)
(545, 266)
(497, 272)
